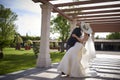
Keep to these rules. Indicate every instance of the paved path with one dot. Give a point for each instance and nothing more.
(107, 65)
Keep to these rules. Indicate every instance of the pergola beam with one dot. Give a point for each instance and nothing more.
(82, 2)
(102, 17)
(99, 18)
(90, 7)
(112, 22)
(111, 27)
(54, 8)
(93, 12)
(42, 1)
(61, 13)
(90, 16)
(101, 21)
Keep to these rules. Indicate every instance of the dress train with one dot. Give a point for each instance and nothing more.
(71, 61)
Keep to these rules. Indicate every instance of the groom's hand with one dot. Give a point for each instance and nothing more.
(73, 35)
(79, 39)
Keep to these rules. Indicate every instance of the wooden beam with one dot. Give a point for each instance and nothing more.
(103, 21)
(100, 18)
(90, 7)
(55, 8)
(35, 1)
(90, 16)
(114, 27)
(42, 1)
(113, 22)
(103, 26)
(100, 22)
(61, 13)
(93, 12)
(94, 15)
(82, 2)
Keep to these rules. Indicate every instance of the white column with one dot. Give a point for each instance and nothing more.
(72, 25)
(44, 56)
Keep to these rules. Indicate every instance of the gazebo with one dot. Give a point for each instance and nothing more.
(103, 16)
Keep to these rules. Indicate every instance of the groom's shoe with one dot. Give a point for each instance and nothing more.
(62, 73)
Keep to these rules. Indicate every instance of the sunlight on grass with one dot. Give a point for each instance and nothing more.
(56, 56)
(15, 60)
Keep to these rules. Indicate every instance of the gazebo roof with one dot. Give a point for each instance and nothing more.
(103, 15)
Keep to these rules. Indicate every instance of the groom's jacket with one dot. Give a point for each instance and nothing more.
(71, 41)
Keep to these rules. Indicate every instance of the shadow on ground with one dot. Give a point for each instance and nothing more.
(107, 67)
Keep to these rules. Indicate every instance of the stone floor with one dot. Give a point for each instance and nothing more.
(107, 65)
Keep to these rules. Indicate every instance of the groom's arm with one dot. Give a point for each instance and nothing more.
(82, 40)
(79, 39)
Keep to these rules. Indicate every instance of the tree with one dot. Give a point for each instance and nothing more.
(28, 44)
(7, 27)
(18, 40)
(114, 35)
(61, 26)
(97, 37)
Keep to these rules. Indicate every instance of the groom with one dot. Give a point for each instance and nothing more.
(72, 40)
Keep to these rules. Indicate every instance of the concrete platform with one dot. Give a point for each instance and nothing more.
(107, 65)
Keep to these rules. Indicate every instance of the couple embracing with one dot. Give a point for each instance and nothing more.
(76, 60)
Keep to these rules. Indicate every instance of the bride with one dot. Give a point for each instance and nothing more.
(75, 62)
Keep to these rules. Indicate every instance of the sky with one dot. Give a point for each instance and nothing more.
(29, 17)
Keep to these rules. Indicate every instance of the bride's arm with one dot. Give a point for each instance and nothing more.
(86, 36)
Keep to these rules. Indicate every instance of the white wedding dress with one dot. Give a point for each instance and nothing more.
(90, 53)
(75, 62)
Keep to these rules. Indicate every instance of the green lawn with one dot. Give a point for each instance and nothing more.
(56, 56)
(15, 60)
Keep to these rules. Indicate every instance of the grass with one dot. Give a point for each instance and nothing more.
(56, 56)
(15, 60)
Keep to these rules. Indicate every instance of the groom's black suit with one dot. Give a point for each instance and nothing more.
(71, 41)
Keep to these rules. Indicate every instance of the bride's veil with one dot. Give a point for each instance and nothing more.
(90, 53)
(90, 48)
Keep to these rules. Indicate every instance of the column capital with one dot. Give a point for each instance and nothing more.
(46, 6)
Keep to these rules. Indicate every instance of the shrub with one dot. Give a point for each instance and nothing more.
(36, 47)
